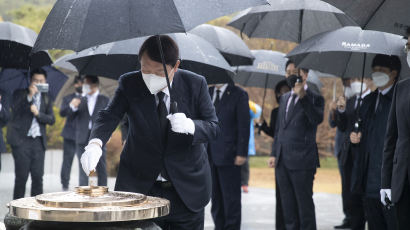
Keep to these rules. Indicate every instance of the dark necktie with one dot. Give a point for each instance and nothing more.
(218, 98)
(163, 122)
(379, 97)
(291, 106)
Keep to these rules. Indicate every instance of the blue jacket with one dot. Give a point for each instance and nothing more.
(255, 112)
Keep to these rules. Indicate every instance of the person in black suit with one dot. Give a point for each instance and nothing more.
(69, 145)
(366, 178)
(85, 110)
(31, 111)
(4, 118)
(228, 153)
(395, 178)
(294, 152)
(280, 89)
(165, 154)
(347, 120)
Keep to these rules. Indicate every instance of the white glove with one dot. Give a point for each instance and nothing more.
(181, 124)
(383, 194)
(90, 157)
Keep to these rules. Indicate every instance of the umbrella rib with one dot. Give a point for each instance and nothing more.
(373, 13)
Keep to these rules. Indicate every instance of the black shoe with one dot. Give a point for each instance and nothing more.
(345, 225)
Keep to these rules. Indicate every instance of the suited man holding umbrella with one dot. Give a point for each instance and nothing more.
(395, 178)
(228, 153)
(165, 153)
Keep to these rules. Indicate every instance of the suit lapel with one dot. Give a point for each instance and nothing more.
(284, 121)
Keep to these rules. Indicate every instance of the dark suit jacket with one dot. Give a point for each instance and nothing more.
(4, 117)
(144, 155)
(295, 139)
(22, 117)
(366, 177)
(65, 111)
(396, 161)
(82, 117)
(234, 120)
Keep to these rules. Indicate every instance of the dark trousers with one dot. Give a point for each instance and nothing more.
(296, 192)
(101, 168)
(347, 209)
(28, 159)
(245, 173)
(280, 221)
(226, 197)
(69, 148)
(403, 207)
(352, 201)
(180, 217)
(377, 216)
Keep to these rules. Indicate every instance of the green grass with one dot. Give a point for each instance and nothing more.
(261, 162)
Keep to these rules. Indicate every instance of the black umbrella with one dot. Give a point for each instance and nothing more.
(79, 24)
(114, 59)
(62, 63)
(384, 15)
(348, 51)
(232, 47)
(12, 79)
(16, 43)
(290, 20)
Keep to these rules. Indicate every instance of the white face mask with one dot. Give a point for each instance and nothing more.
(154, 83)
(356, 87)
(348, 92)
(86, 89)
(380, 79)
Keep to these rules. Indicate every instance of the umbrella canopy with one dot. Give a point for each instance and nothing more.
(13, 79)
(16, 43)
(80, 24)
(348, 52)
(64, 64)
(107, 87)
(267, 70)
(114, 59)
(390, 16)
(232, 47)
(290, 20)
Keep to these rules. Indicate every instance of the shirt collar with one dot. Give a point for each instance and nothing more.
(94, 95)
(223, 88)
(166, 90)
(386, 90)
(364, 94)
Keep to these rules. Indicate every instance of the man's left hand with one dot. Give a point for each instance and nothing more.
(240, 160)
(34, 110)
(181, 124)
(299, 89)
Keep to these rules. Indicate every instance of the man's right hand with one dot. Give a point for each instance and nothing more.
(271, 162)
(383, 194)
(32, 89)
(355, 137)
(90, 157)
(75, 102)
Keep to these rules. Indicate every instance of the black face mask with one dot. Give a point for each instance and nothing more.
(79, 89)
(292, 79)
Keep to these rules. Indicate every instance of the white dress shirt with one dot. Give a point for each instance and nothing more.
(34, 130)
(383, 92)
(296, 99)
(222, 91)
(91, 100)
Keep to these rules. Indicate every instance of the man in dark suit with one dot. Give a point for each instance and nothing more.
(69, 131)
(294, 151)
(346, 117)
(228, 153)
(165, 153)
(395, 180)
(31, 111)
(4, 118)
(85, 111)
(367, 164)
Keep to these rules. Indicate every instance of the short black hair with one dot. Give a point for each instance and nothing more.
(78, 79)
(38, 71)
(288, 63)
(169, 46)
(391, 62)
(279, 86)
(93, 79)
(305, 70)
